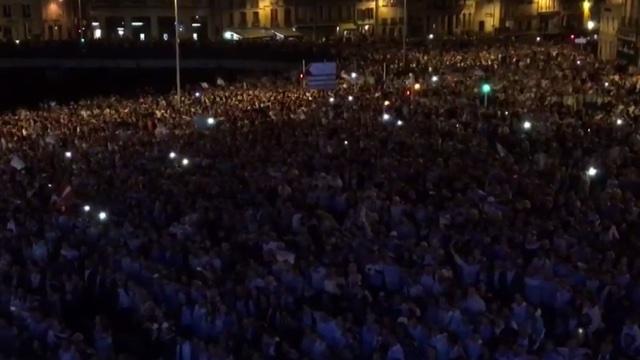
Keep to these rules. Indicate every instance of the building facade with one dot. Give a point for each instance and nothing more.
(199, 20)
(628, 30)
(20, 20)
(534, 16)
(150, 20)
(610, 18)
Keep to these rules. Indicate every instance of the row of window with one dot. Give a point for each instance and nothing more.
(303, 15)
(335, 13)
(8, 13)
(7, 33)
(255, 19)
(237, 4)
(364, 14)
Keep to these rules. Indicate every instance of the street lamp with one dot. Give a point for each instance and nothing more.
(175, 15)
(404, 34)
(486, 89)
(80, 21)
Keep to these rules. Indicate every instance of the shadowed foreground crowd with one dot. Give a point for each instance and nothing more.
(382, 221)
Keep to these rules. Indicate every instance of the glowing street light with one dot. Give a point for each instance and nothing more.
(591, 25)
(486, 89)
(591, 172)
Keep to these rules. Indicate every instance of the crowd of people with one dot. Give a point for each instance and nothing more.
(405, 215)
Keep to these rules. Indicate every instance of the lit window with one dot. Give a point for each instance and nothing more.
(142, 36)
(97, 34)
(195, 36)
(165, 36)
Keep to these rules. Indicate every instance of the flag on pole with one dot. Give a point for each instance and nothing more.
(321, 76)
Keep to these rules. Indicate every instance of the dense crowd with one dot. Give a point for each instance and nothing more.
(401, 216)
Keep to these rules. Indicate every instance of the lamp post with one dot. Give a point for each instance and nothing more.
(177, 28)
(404, 33)
(80, 21)
(486, 89)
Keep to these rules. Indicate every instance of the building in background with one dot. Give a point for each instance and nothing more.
(628, 30)
(537, 16)
(58, 19)
(150, 20)
(200, 20)
(20, 20)
(439, 17)
(610, 17)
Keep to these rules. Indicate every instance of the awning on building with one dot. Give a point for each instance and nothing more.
(286, 33)
(347, 26)
(247, 34)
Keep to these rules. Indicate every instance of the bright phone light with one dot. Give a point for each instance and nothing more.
(86, 208)
(346, 142)
(399, 123)
(185, 162)
(538, 39)
(172, 155)
(197, 94)
(606, 84)
(331, 100)
(387, 103)
(354, 75)
(68, 154)
(526, 125)
(210, 121)
(386, 116)
(102, 216)
(350, 98)
(434, 78)
(591, 172)
(619, 122)
(416, 86)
